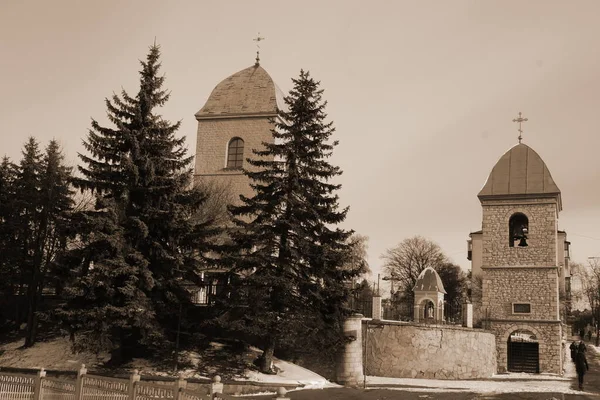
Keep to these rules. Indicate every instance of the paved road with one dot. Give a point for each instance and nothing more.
(591, 386)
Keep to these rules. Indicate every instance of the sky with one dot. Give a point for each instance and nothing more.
(422, 93)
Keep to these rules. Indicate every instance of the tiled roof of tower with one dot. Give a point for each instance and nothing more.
(520, 171)
(248, 92)
(429, 280)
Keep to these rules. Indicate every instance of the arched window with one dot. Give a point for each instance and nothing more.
(518, 228)
(235, 153)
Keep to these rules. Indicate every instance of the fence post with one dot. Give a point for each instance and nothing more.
(37, 388)
(79, 383)
(376, 307)
(281, 394)
(133, 379)
(216, 386)
(467, 314)
(180, 384)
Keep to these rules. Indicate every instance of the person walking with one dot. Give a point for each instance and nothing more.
(581, 364)
(573, 347)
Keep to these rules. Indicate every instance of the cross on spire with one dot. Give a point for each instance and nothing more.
(257, 39)
(520, 120)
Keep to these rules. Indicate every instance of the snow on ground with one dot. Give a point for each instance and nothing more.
(476, 386)
(290, 374)
(501, 383)
(54, 354)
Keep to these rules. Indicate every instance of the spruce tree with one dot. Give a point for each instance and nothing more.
(287, 249)
(9, 267)
(54, 204)
(140, 241)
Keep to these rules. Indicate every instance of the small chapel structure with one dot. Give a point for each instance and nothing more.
(429, 297)
(519, 259)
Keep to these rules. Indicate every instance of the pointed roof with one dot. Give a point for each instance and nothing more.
(520, 172)
(249, 92)
(429, 280)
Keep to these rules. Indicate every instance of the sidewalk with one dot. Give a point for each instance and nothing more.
(591, 382)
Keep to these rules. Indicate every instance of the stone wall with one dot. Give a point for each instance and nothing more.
(542, 235)
(213, 138)
(501, 287)
(404, 350)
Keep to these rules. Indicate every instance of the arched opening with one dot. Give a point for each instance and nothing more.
(518, 228)
(235, 153)
(523, 352)
(428, 310)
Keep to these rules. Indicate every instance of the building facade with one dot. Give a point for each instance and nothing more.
(520, 268)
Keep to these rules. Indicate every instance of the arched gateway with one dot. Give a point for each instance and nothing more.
(523, 352)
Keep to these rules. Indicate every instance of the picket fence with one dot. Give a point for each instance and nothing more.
(93, 387)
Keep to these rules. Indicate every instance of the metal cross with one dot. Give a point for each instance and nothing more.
(257, 39)
(520, 120)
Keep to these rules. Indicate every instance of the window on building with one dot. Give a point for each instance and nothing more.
(469, 250)
(518, 228)
(521, 308)
(235, 153)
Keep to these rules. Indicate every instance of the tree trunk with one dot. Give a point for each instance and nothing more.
(265, 361)
(32, 319)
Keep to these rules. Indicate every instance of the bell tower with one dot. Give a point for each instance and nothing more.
(236, 119)
(521, 263)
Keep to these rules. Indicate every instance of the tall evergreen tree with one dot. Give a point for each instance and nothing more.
(54, 204)
(9, 271)
(286, 249)
(140, 241)
(26, 221)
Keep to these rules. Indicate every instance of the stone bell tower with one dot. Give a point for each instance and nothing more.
(235, 120)
(521, 257)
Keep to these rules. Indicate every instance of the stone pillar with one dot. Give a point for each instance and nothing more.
(377, 312)
(349, 370)
(467, 314)
(417, 313)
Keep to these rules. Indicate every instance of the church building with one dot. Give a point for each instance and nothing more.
(235, 120)
(520, 270)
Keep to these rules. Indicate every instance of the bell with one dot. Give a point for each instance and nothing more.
(523, 242)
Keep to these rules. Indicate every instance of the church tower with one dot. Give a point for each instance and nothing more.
(520, 259)
(235, 120)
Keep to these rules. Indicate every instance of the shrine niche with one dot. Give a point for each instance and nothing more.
(429, 297)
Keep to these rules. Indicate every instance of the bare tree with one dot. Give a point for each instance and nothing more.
(358, 255)
(405, 262)
(589, 276)
(219, 195)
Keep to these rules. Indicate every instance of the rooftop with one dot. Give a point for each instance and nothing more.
(249, 92)
(520, 171)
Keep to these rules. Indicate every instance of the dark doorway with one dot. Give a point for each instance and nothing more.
(523, 353)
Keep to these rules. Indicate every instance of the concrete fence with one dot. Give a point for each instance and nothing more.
(16, 386)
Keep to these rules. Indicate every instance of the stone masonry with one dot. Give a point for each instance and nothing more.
(214, 136)
(542, 236)
(527, 275)
(349, 369)
(403, 350)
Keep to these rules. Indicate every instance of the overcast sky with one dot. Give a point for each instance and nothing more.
(422, 93)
